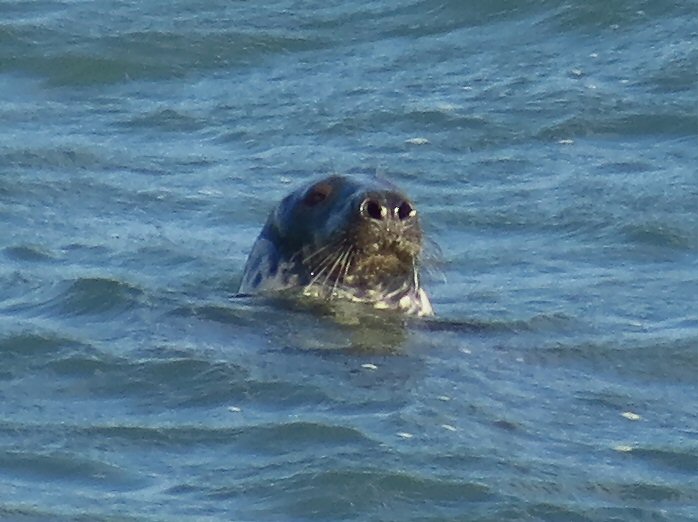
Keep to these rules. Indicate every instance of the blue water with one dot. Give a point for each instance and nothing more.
(551, 148)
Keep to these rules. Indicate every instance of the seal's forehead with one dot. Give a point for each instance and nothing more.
(339, 184)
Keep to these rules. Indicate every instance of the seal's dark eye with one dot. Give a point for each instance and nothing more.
(317, 194)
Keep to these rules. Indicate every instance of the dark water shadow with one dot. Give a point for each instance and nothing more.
(290, 323)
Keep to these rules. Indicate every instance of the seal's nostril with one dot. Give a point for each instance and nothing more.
(404, 211)
(372, 209)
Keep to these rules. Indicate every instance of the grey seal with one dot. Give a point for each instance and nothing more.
(342, 238)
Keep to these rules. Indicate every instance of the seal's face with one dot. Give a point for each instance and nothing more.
(342, 238)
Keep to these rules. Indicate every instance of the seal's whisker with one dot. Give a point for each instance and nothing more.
(321, 269)
(329, 246)
(415, 275)
(331, 275)
(307, 258)
(333, 267)
(326, 259)
(351, 251)
(431, 261)
(303, 259)
(316, 269)
(328, 269)
(342, 268)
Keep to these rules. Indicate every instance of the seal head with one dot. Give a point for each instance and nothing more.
(342, 238)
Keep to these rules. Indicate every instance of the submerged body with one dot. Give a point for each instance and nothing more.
(342, 238)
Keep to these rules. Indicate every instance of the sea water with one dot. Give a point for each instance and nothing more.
(551, 148)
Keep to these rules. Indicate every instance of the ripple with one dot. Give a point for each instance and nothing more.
(31, 344)
(167, 120)
(301, 436)
(268, 442)
(682, 461)
(183, 383)
(661, 236)
(49, 158)
(338, 493)
(65, 468)
(650, 361)
(96, 297)
(29, 253)
(558, 322)
(23, 353)
(647, 492)
(128, 55)
(31, 514)
(647, 124)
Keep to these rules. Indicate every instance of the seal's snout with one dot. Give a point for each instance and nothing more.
(377, 208)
